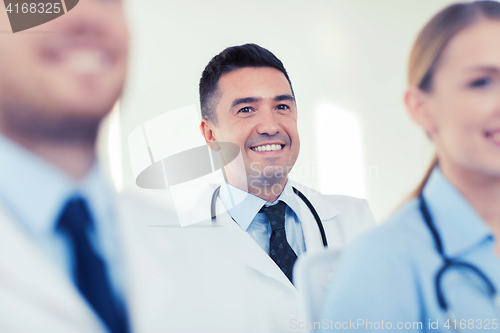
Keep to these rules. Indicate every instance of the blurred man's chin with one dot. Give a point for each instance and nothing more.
(83, 105)
(71, 130)
(90, 92)
(73, 123)
(83, 110)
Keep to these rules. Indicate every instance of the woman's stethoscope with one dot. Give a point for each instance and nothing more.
(297, 192)
(450, 263)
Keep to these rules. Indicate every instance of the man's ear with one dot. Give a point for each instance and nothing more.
(207, 130)
(418, 105)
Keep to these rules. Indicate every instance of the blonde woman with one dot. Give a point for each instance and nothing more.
(435, 265)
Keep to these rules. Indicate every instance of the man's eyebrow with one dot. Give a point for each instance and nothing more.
(245, 100)
(284, 98)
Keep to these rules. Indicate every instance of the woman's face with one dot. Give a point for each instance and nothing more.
(463, 106)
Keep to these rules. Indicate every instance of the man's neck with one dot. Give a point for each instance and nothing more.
(66, 142)
(73, 158)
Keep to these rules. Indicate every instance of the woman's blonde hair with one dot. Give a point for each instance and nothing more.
(431, 42)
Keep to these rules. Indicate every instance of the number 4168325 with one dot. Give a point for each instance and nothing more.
(33, 8)
(478, 324)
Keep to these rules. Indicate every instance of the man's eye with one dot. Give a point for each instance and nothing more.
(482, 82)
(282, 107)
(246, 109)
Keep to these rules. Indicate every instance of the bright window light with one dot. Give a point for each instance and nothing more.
(339, 152)
(115, 148)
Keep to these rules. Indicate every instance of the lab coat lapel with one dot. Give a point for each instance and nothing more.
(201, 271)
(243, 248)
(34, 278)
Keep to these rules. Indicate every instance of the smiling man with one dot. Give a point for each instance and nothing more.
(61, 257)
(269, 141)
(247, 99)
(74, 256)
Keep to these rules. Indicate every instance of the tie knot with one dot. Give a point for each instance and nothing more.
(75, 217)
(276, 215)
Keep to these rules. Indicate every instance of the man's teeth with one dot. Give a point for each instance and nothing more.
(86, 61)
(268, 148)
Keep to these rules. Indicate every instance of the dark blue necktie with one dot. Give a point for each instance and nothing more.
(279, 249)
(89, 269)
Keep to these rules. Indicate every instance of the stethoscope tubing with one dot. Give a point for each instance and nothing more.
(297, 192)
(449, 263)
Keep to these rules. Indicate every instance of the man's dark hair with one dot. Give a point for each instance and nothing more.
(232, 58)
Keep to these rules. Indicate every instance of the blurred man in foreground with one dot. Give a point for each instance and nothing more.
(69, 258)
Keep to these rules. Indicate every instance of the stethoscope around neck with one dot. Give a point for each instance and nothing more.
(450, 263)
(297, 192)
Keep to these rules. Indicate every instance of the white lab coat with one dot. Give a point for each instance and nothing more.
(37, 296)
(177, 280)
(193, 279)
(343, 219)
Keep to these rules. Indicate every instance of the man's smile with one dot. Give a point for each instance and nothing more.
(268, 147)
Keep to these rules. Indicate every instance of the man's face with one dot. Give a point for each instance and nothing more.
(257, 112)
(71, 67)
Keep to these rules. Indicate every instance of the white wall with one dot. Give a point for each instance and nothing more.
(349, 53)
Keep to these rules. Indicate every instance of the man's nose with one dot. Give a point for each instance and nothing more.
(267, 122)
(90, 19)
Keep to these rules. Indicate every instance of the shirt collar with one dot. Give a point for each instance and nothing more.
(35, 191)
(459, 225)
(243, 206)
